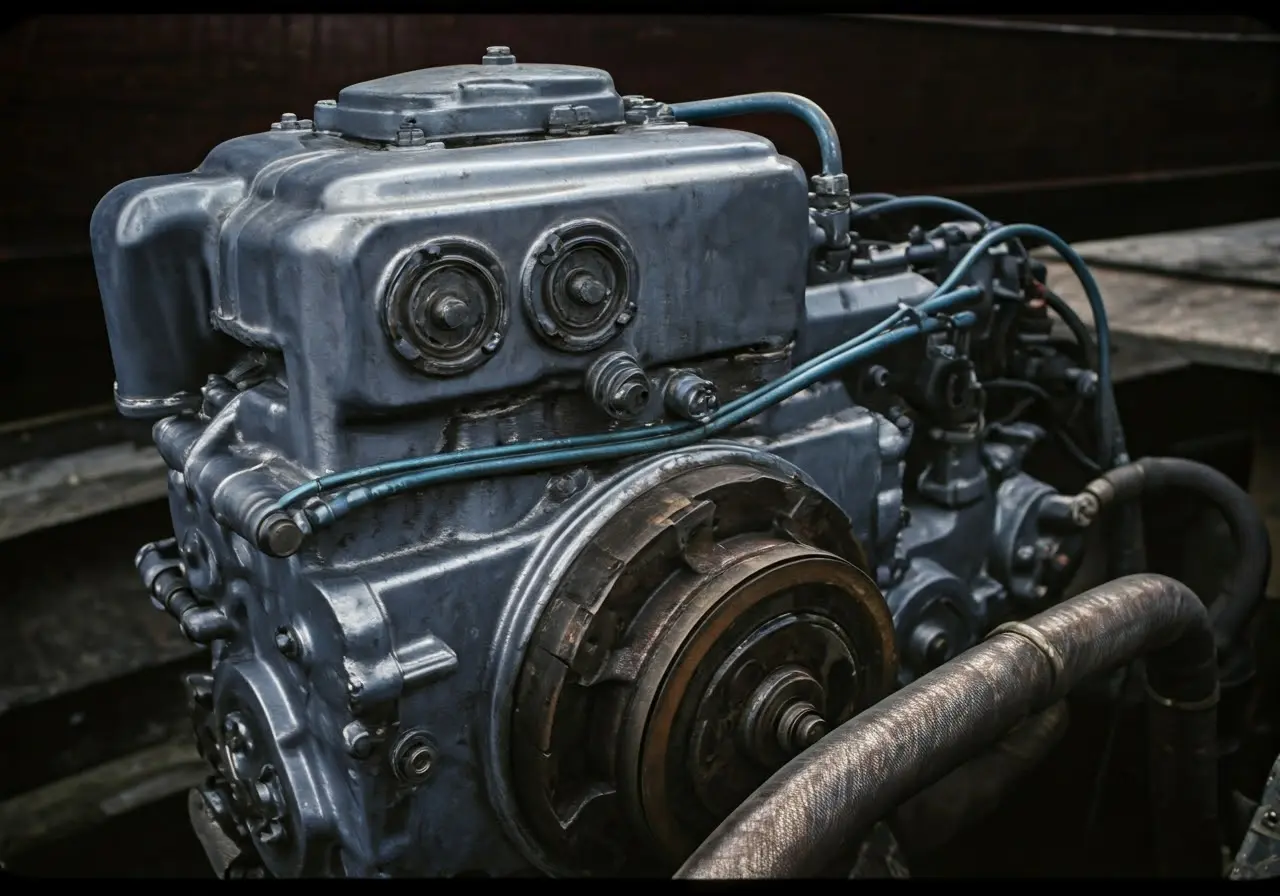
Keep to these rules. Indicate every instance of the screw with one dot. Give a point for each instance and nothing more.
(1024, 554)
(586, 289)
(1270, 818)
(449, 312)
(287, 642)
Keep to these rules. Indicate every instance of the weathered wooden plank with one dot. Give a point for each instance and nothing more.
(1246, 253)
(41, 494)
(79, 802)
(1199, 322)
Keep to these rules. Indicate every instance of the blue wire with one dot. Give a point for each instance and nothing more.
(343, 503)
(906, 203)
(871, 198)
(1112, 443)
(945, 295)
(784, 103)
(357, 475)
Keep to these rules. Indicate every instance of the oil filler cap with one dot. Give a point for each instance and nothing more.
(499, 97)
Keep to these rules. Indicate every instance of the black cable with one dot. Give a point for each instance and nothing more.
(1074, 323)
(1068, 444)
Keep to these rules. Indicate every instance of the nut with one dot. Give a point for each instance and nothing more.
(413, 757)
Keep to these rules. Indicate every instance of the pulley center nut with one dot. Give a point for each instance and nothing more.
(449, 312)
(585, 288)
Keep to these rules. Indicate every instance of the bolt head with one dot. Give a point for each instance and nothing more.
(586, 289)
(287, 642)
(1271, 818)
(498, 56)
(450, 312)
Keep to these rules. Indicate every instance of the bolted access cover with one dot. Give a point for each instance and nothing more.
(496, 98)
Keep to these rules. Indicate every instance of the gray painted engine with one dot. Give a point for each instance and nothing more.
(577, 668)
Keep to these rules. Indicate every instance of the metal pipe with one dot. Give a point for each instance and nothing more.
(783, 103)
(965, 796)
(832, 793)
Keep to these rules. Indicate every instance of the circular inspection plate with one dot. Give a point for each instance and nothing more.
(445, 311)
(579, 285)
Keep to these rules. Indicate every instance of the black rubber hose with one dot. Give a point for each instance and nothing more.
(836, 790)
(1075, 324)
(1244, 593)
(974, 790)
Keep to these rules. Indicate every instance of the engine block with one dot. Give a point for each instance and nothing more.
(579, 666)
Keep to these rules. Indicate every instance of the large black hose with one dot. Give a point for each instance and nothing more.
(1247, 586)
(813, 807)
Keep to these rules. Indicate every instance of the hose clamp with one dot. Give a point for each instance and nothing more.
(1033, 635)
(1186, 705)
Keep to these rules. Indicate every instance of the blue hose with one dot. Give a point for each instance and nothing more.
(1111, 439)
(343, 503)
(939, 302)
(782, 103)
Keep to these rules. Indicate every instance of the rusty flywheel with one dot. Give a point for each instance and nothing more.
(717, 626)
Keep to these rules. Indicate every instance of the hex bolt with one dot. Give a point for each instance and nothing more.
(449, 312)
(691, 397)
(585, 289)
(1024, 554)
(287, 642)
(413, 756)
(877, 377)
(498, 56)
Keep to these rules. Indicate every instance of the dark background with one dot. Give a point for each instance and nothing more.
(1090, 133)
